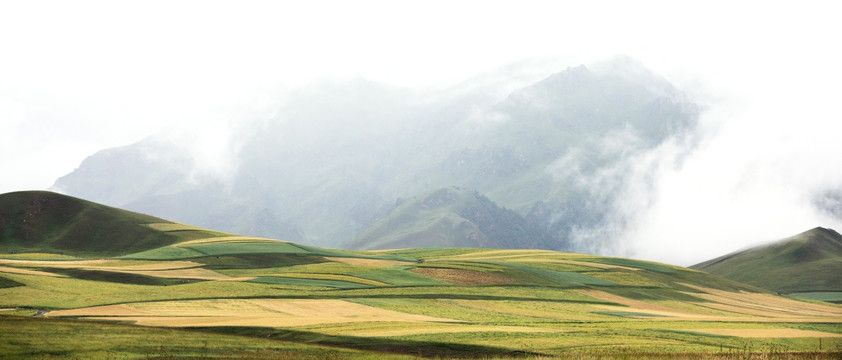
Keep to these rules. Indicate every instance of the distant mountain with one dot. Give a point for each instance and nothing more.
(452, 217)
(336, 156)
(50, 222)
(807, 262)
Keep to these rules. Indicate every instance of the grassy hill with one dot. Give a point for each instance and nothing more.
(810, 262)
(452, 217)
(216, 295)
(50, 222)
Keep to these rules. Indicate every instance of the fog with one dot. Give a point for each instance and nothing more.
(78, 77)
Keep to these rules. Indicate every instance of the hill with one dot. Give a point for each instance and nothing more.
(217, 295)
(452, 217)
(807, 262)
(337, 156)
(50, 222)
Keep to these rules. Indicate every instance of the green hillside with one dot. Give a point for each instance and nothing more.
(804, 263)
(50, 222)
(215, 295)
(452, 217)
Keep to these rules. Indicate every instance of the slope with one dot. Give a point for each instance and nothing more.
(807, 262)
(41, 221)
(452, 217)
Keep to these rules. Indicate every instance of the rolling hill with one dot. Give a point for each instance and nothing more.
(51, 222)
(217, 295)
(810, 262)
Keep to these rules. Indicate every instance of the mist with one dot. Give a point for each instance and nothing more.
(761, 164)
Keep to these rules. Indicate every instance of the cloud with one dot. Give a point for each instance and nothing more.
(756, 175)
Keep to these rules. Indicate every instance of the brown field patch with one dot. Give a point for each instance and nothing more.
(767, 333)
(12, 270)
(463, 277)
(247, 312)
(368, 262)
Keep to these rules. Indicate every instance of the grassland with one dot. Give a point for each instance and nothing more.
(214, 295)
(299, 302)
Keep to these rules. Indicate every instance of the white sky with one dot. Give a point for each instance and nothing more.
(80, 76)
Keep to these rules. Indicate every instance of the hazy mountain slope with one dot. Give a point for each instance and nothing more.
(45, 221)
(810, 261)
(452, 217)
(336, 156)
(564, 147)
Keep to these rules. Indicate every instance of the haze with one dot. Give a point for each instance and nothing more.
(78, 77)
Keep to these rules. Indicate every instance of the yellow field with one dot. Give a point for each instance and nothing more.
(348, 278)
(227, 239)
(162, 269)
(574, 262)
(37, 256)
(246, 312)
(55, 264)
(740, 305)
(172, 227)
(13, 270)
(768, 333)
(368, 262)
(501, 254)
(766, 305)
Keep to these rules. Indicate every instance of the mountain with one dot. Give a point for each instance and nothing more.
(335, 157)
(807, 262)
(43, 221)
(452, 217)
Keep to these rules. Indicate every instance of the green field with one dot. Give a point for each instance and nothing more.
(443, 303)
(224, 296)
